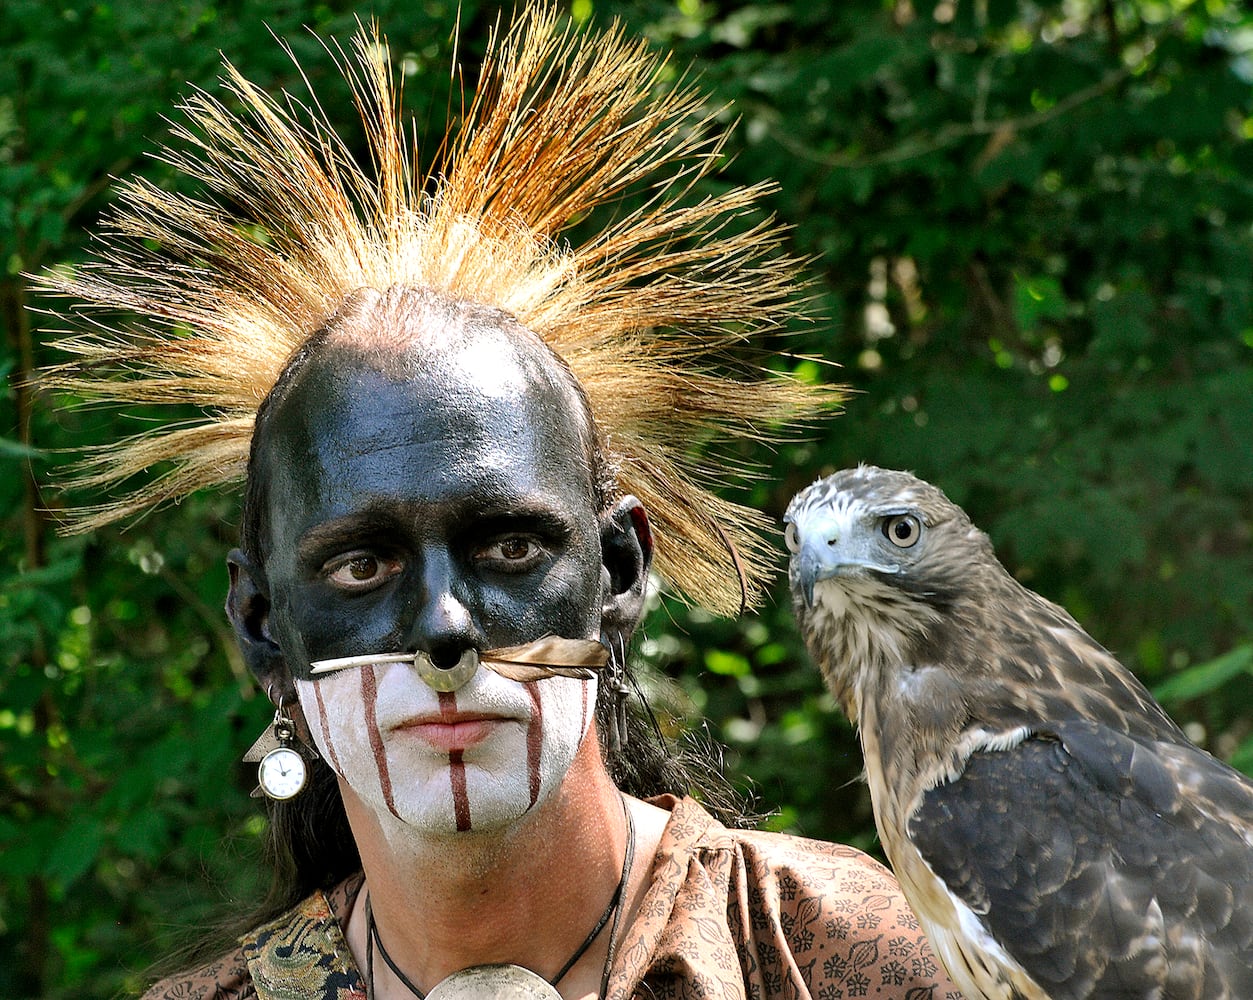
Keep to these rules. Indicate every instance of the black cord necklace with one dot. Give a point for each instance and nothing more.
(614, 910)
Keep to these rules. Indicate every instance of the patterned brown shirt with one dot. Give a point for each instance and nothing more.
(728, 914)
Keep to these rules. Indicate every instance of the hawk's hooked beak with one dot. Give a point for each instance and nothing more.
(817, 559)
(825, 550)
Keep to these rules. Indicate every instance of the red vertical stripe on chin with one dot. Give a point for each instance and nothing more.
(370, 696)
(456, 770)
(460, 800)
(534, 741)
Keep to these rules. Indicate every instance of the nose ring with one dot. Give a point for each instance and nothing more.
(436, 678)
(450, 679)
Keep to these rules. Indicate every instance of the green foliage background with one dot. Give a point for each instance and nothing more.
(1031, 228)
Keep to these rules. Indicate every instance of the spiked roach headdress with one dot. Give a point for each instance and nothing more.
(643, 312)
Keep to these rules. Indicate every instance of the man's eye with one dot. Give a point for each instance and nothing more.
(360, 571)
(512, 552)
(515, 548)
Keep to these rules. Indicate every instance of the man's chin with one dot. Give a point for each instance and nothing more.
(485, 816)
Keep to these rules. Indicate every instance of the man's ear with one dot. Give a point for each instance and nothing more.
(248, 607)
(626, 543)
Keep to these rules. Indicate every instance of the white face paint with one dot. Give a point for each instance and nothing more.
(475, 759)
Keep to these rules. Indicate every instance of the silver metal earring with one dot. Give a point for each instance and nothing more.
(615, 679)
(281, 759)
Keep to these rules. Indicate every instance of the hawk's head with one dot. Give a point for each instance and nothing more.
(879, 560)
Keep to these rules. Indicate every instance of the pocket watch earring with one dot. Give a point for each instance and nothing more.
(282, 769)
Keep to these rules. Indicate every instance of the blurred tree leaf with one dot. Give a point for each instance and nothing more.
(1206, 678)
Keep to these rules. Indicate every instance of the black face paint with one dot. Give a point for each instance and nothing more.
(439, 500)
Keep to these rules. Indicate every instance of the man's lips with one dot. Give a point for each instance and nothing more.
(455, 731)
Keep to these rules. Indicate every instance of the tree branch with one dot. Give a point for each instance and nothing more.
(954, 132)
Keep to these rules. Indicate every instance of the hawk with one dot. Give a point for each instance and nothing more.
(1056, 833)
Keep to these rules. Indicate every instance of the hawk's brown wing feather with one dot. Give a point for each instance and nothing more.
(1107, 867)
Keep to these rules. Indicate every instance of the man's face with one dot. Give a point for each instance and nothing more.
(442, 505)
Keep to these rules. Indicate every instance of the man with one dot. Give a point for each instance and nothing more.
(468, 454)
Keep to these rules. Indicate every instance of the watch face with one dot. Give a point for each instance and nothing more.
(281, 773)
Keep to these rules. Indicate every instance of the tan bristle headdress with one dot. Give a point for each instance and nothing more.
(561, 121)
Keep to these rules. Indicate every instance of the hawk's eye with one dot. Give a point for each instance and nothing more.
(903, 530)
(791, 537)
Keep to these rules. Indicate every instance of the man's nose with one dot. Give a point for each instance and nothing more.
(444, 626)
